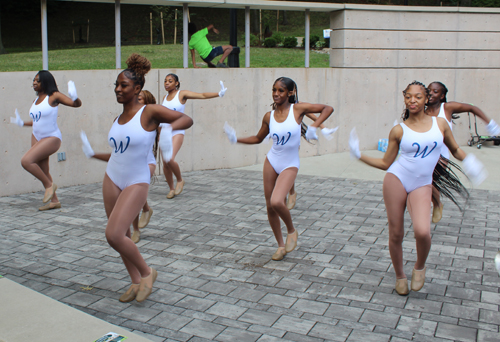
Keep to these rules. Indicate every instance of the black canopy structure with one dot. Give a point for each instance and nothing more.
(307, 7)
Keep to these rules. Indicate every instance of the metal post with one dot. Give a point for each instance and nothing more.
(185, 34)
(307, 38)
(247, 36)
(118, 37)
(45, 47)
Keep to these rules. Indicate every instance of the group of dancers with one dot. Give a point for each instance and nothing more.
(145, 127)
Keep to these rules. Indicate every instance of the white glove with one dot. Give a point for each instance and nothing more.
(474, 169)
(17, 120)
(72, 90)
(87, 149)
(231, 133)
(165, 143)
(354, 144)
(222, 89)
(328, 132)
(493, 128)
(311, 133)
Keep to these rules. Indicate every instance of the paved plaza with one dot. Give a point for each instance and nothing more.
(212, 247)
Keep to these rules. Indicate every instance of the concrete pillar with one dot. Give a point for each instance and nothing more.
(247, 36)
(118, 36)
(307, 38)
(185, 35)
(45, 47)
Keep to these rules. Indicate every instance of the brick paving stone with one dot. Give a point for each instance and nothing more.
(212, 248)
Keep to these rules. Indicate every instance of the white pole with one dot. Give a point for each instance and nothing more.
(118, 38)
(247, 36)
(45, 47)
(185, 34)
(306, 44)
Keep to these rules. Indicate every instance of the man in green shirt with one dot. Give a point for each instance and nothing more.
(200, 43)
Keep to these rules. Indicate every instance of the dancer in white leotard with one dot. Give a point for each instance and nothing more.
(46, 138)
(408, 180)
(126, 182)
(281, 166)
(437, 106)
(176, 100)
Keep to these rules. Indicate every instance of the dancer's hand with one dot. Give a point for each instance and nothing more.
(354, 144)
(72, 90)
(311, 133)
(17, 120)
(328, 132)
(222, 89)
(87, 149)
(166, 144)
(474, 169)
(231, 133)
(493, 128)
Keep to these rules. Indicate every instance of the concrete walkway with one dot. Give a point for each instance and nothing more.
(212, 245)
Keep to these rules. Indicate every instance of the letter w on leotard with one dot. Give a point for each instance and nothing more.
(120, 148)
(282, 140)
(424, 151)
(36, 117)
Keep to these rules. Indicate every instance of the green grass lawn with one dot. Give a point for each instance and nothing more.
(161, 56)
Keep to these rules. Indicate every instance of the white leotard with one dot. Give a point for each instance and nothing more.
(175, 104)
(131, 144)
(419, 155)
(151, 157)
(445, 152)
(44, 118)
(286, 142)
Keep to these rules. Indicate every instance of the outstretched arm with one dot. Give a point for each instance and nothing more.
(458, 107)
(391, 153)
(194, 59)
(191, 95)
(211, 27)
(254, 139)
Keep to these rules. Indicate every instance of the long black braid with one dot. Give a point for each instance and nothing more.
(446, 181)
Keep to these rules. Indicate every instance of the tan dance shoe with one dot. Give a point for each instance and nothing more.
(179, 187)
(130, 294)
(171, 194)
(49, 193)
(437, 213)
(279, 255)
(50, 205)
(145, 289)
(402, 287)
(291, 241)
(136, 236)
(417, 279)
(291, 200)
(145, 217)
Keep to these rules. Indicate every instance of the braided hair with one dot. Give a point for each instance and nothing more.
(406, 111)
(137, 68)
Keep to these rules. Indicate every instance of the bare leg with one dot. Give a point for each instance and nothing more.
(152, 168)
(395, 203)
(227, 50)
(292, 189)
(275, 189)
(420, 210)
(40, 152)
(177, 141)
(44, 165)
(121, 208)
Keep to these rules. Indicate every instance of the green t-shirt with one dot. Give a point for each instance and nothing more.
(200, 43)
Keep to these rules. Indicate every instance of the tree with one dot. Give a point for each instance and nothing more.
(2, 49)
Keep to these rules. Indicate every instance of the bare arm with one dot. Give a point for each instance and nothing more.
(261, 135)
(102, 156)
(211, 27)
(304, 108)
(314, 118)
(450, 141)
(392, 151)
(59, 98)
(458, 107)
(191, 95)
(194, 59)
(156, 114)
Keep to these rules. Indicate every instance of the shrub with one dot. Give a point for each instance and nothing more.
(290, 42)
(254, 40)
(279, 37)
(270, 42)
(320, 44)
(312, 41)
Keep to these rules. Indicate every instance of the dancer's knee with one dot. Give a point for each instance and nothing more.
(422, 234)
(113, 238)
(277, 204)
(396, 237)
(26, 163)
